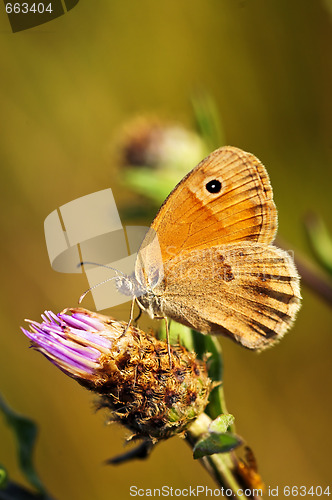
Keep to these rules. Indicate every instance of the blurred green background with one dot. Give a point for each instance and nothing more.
(67, 88)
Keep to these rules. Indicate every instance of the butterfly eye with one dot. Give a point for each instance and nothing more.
(213, 186)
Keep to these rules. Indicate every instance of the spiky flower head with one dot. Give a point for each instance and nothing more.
(153, 143)
(153, 395)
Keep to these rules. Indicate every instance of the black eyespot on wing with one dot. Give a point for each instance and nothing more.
(213, 186)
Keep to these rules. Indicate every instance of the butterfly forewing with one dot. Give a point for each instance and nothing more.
(192, 217)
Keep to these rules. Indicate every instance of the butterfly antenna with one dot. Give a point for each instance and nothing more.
(93, 287)
(85, 262)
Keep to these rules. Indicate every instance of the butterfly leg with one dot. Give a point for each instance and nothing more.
(138, 316)
(142, 308)
(131, 315)
(168, 343)
(167, 338)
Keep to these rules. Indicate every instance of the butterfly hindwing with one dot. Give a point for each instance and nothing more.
(249, 292)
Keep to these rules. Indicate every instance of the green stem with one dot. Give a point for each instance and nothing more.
(320, 240)
(220, 465)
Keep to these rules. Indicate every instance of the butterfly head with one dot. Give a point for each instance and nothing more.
(128, 285)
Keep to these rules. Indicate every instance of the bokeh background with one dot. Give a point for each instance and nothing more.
(67, 89)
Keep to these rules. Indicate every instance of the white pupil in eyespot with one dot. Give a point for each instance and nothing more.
(213, 186)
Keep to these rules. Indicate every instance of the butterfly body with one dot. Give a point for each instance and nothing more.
(213, 266)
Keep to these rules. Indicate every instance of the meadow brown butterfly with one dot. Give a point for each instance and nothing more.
(219, 272)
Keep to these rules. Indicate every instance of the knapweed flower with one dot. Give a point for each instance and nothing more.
(150, 142)
(130, 370)
(170, 150)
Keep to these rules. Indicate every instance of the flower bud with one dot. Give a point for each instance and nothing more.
(152, 394)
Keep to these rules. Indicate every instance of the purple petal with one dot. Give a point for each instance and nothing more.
(92, 322)
(50, 317)
(48, 341)
(72, 342)
(67, 362)
(93, 338)
(30, 335)
(68, 351)
(74, 322)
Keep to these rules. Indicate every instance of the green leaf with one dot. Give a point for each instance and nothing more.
(216, 443)
(320, 240)
(3, 477)
(25, 431)
(212, 347)
(220, 424)
(156, 185)
(208, 120)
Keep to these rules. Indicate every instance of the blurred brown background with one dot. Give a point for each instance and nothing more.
(66, 88)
